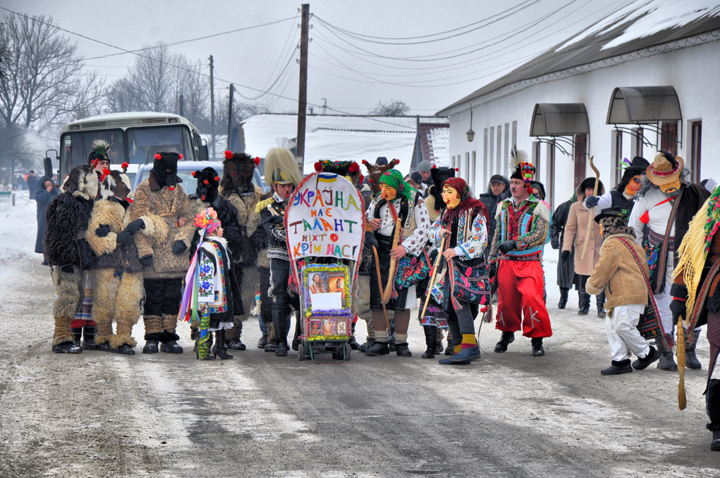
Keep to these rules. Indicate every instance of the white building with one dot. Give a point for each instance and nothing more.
(346, 137)
(648, 74)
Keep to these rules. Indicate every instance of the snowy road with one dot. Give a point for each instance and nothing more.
(101, 414)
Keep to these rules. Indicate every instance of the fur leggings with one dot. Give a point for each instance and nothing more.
(67, 289)
(119, 298)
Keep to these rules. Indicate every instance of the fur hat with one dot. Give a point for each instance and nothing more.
(281, 168)
(665, 168)
(115, 183)
(349, 169)
(98, 151)
(589, 183)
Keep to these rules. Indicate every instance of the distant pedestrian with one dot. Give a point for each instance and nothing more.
(566, 277)
(422, 177)
(45, 193)
(498, 190)
(576, 233)
(32, 183)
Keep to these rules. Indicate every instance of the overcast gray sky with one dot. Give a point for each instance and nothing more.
(352, 72)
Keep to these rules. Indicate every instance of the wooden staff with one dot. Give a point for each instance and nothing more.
(377, 269)
(393, 263)
(681, 363)
(592, 209)
(432, 279)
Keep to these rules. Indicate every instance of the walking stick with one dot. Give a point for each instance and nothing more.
(681, 363)
(432, 279)
(393, 263)
(592, 209)
(377, 269)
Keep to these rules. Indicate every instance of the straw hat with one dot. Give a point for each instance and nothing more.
(665, 168)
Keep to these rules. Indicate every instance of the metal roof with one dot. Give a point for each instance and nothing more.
(604, 42)
(646, 104)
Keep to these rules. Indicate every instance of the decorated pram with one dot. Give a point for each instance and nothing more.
(325, 227)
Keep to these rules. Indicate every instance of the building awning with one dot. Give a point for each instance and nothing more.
(559, 119)
(644, 105)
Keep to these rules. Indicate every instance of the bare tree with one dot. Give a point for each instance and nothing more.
(43, 79)
(393, 108)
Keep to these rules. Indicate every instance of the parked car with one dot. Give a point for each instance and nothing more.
(185, 170)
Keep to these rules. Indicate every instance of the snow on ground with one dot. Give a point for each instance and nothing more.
(647, 17)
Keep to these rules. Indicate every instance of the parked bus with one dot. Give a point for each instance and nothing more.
(134, 138)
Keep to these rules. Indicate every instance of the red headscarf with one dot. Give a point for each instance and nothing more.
(466, 201)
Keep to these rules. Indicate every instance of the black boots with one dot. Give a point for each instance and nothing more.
(171, 347)
(617, 368)
(506, 339)
(281, 349)
(367, 345)
(643, 363)
(537, 347)
(89, 332)
(236, 344)
(262, 342)
(584, 300)
(402, 350)
(667, 362)
(430, 341)
(563, 298)
(600, 299)
(67, 348)
(715, 445)
(691, 360)
(151, 346)
(220, 350)
(378, 348)
(352, 342)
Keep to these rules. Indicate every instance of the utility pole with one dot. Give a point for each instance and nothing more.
(230, 116)
(302, 97)
(324, 105)
(182, 105)
(212, 108)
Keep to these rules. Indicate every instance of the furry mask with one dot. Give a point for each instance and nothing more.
(99, 151)
(208, 182)
(439, 176)
(375, 171)
(238, 170)
(165, 169)
(115, 184)
(82, 182)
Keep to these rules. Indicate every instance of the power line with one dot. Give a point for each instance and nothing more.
(378, 40)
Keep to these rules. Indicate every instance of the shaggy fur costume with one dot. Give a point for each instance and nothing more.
(118, 291)
(66, 248)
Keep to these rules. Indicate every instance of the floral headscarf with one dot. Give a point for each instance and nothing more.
(394, 179)
(466, 201)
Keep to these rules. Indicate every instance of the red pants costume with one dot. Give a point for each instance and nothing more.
(520, 293)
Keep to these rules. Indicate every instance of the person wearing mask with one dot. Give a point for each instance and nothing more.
(624, 194)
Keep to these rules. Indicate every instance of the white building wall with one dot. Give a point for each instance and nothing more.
(694, 73)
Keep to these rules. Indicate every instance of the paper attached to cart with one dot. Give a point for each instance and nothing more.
(329, 301)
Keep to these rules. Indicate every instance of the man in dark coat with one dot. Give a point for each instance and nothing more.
(32, 183)
(498, 190)
(566, 266)
(46, 191)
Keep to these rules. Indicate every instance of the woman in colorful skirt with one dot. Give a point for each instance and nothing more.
(464, 284)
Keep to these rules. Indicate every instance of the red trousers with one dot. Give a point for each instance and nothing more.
(520, 294)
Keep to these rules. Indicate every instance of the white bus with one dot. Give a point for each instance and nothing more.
(134, 138)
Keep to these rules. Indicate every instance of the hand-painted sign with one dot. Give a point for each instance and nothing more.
(325, 218)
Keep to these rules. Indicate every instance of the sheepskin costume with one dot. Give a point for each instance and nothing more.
(164, 249)
(237, 187)
(67, 251)
(119, 283)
